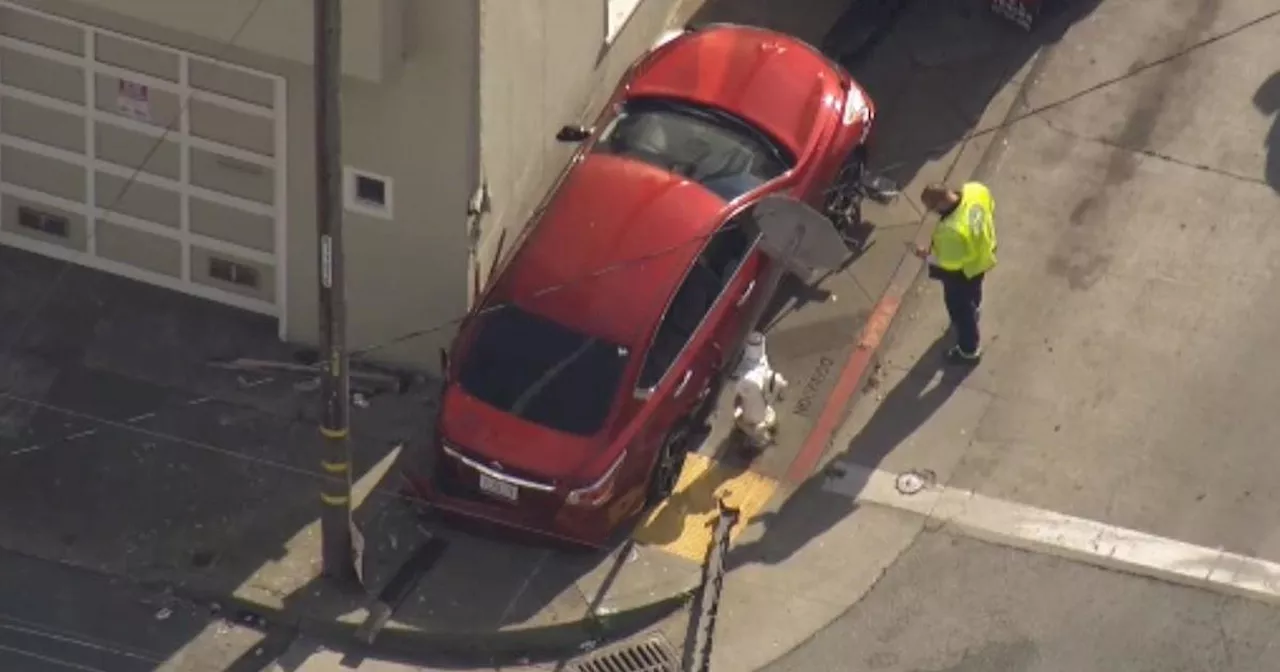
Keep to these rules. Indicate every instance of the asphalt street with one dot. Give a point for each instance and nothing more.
(995, 609)
(54, 618)
(1127, 377)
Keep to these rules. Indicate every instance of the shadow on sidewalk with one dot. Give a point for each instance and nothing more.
(936, 73)
(812, 510)
(1267, 101)
(932, 69)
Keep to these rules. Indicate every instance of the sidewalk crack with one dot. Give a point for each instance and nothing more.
(1147, 153)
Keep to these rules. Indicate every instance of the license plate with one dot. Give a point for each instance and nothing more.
(498, 488)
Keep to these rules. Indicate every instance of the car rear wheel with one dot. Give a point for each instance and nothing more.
(666, 472)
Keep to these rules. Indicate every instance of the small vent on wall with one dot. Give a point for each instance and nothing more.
(371, 191)
(44, 222)
(368, 194)
(236, 274)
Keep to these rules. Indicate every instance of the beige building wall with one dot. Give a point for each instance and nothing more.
(544, 64)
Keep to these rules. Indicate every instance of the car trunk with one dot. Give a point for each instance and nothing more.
(507, 444)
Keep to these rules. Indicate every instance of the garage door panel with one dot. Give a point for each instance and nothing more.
(232, 225)
(13, 222)
(138, 249)
(232, 127)
(130, 149)
(95, 167)
(136, 56)
(135, 199)
(39, 30)
(231, 82)
(41, 124)
(43, 174)
(228, 176)
(40, 75)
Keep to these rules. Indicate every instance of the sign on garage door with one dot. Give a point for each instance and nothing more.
(136, 159)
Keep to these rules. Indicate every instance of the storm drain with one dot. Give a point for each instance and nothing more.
(650, 655)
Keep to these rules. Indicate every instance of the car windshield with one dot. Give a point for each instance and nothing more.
(541, 371)
(715, 149)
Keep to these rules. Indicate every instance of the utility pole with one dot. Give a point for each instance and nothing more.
(339, 537)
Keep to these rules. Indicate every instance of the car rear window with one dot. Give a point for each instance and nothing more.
(541, 371)
(722, 153)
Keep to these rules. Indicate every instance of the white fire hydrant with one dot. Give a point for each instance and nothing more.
(758, 388)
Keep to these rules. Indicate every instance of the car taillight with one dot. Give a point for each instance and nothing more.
(599, 492)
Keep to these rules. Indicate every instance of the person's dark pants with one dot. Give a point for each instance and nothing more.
(963, 297)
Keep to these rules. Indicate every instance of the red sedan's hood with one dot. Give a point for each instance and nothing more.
(489, 435)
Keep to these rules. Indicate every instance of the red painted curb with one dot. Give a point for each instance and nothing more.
(855, 368)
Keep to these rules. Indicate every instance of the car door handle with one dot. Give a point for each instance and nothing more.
(684, 382)
(746, 294)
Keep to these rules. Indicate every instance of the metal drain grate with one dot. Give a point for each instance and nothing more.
(650, 655)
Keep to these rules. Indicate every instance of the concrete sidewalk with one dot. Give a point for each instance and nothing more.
(1122, 414)
(127, 454)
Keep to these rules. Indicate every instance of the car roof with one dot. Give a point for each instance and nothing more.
(609, 250)
(753, 73)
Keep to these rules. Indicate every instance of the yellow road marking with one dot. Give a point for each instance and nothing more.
(682, 525)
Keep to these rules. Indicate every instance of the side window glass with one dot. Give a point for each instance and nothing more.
(728, 247)
(692, 302)
(715, 266)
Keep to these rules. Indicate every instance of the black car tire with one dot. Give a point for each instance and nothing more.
(670, 462)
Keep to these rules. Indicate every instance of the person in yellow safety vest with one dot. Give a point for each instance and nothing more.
(961, 252)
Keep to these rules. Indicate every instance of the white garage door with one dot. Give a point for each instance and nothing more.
(140, 160)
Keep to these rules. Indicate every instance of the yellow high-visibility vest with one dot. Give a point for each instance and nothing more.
(965, 240)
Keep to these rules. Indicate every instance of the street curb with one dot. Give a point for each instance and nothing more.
(857, 367)
(453, 650)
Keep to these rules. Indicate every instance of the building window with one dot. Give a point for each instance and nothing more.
(368, 194)
(230, 272)
(617, 13)
(44, 222)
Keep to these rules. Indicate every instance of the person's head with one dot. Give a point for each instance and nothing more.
(939, 198)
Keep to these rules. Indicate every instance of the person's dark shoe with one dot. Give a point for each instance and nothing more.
(957, 356)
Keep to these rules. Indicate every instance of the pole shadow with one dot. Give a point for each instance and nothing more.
(1267, 101)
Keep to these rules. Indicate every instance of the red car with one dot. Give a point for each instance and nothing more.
(591, 363)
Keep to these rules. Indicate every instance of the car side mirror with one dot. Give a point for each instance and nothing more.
(573, 133)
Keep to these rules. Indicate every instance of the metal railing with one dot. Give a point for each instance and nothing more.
(706, 604)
